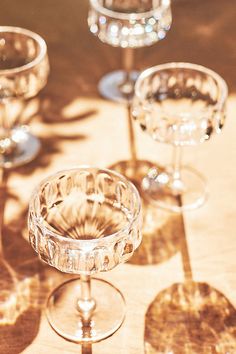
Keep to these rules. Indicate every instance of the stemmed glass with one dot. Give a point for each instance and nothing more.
(24, 70)
(180, 104)
(84, 221)
(127, 24)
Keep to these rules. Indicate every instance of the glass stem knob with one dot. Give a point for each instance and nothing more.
(86, 304)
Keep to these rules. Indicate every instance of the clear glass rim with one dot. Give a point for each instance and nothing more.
(123, 15)
(27, 33)
(37, 219)
(189, 66)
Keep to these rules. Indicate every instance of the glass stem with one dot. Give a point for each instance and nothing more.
(127, 88)
(177, 183)
(132, 144)
(86, 304)
(3, 199)
(128, 61)
(127, 85)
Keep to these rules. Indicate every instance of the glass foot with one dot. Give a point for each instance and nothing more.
(27, 147)
(110, 86)
(162, 190)
(65, 319)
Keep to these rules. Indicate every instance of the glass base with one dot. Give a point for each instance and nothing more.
(65, 319)
(110, 86)
(27, 147)
(177, 196)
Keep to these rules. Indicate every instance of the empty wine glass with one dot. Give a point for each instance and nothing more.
(127, 24)
(24, 70)
(180, 104)
(83, 221)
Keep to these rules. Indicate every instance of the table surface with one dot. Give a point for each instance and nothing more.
(76, 126)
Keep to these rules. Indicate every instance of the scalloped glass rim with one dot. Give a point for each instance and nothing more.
(219, 106)
(27, 33)
(39, 221)
(126, 16)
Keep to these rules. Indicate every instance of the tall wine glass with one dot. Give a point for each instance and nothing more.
(24, 70)
(127, 24)
(84, 221)
(180, 104)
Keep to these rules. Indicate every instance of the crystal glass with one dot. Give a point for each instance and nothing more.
(24, 70)
(180, 104)
(84, 221)
(127, 24)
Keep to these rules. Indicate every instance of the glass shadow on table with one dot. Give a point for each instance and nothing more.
(190, 317)
(161, 229)
(49, 114)
(22, 287)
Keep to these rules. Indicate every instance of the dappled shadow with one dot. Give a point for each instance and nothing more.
(50, 149)
(15, 338)
(162, 230)
(64, 109)
(23, 289)
(54, 132)
(133, 170)
(190, 318)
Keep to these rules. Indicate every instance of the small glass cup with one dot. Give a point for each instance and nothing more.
(24, 70)
(181, 104)
(83, 221)
(127, 24)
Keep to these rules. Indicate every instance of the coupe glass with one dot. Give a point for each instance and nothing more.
(127, 24)
(83, 221)
(180, 104)
(24, 70)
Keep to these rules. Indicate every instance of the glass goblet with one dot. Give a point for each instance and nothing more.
(127, 24)
(180, 104)
(83, 221)
(24, 70)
